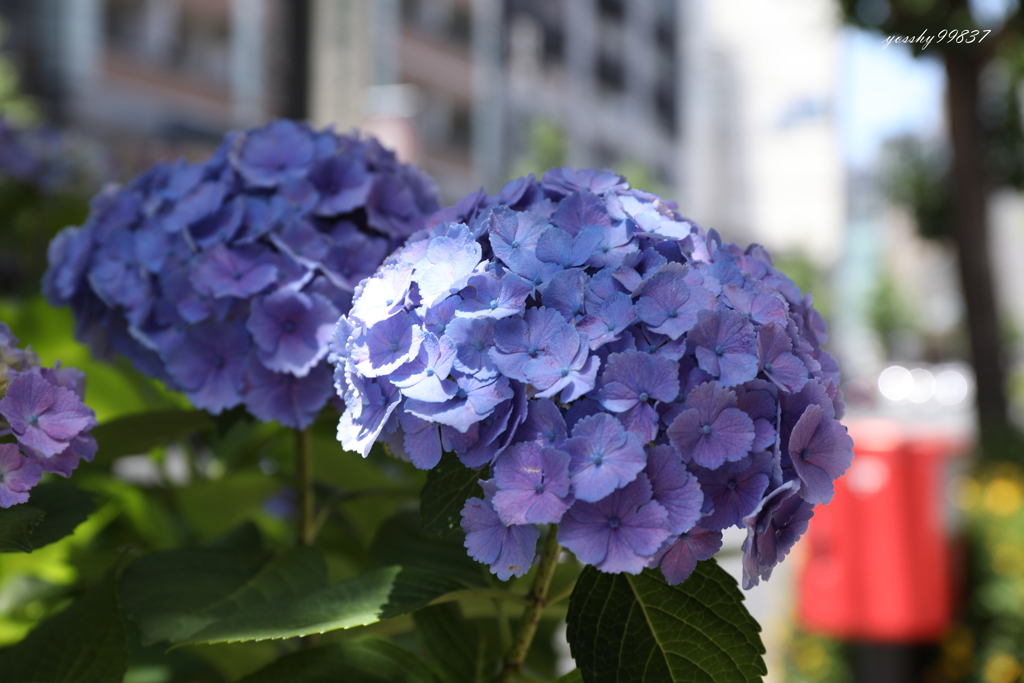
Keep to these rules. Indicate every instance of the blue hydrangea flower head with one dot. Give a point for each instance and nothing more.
(616, 369)
(225, 279)
(43, 421)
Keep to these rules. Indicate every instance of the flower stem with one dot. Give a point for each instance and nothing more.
(562, 594)
(537, 601)
(492, 593)
(304, 484)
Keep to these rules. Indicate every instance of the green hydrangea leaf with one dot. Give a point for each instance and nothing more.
(628, 629)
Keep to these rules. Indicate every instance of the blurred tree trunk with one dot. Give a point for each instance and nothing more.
(975, 171)
(298, 15)
(970, 234)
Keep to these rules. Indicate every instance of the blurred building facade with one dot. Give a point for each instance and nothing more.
(713, 100)
(172, 69)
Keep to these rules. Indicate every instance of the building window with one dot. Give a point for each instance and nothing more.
(445, 125)
(665, 36)
(186, 38)
(444, 20)
(554, 41)
(611, 75)
(612, 9)
(665, 106)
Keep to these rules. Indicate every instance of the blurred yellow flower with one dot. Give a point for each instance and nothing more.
(1001, 668)
(1003, 496)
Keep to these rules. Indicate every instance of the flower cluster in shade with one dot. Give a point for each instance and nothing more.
(618, 371)
(44, 425)
(224, 279)
(46, 160)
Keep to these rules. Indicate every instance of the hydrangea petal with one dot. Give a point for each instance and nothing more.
(604, 457)
(509, 550)
(678, 560)
(821, 452)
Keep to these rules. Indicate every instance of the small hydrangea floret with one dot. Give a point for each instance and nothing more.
(44, 424)
(612, 367)
(225, 279)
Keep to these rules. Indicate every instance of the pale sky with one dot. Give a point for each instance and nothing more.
(885, 92)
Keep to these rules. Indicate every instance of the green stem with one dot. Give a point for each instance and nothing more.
(338, 497)
(307, 505)
(492, 593)
(504, 627)
(562, 594)
(538, 600)
(304, 484)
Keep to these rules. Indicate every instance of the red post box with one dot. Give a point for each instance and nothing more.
(878, 563)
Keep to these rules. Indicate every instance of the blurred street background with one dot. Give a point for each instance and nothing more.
(791, 123)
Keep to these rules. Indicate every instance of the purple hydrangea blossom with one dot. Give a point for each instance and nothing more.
(495, 432)
(761, 307)
(566, 293)
(565, 367)
(605, 457)
(680, 555)
(421, 440)
(668, 305)
(239, 273)
(276, 153)
(777, 523)
(508, 549)
(446, 267)
(41, 409)
(267, 242)
(208, 364)
(379, 297)
(489, 296)
(821, 451)
(544, 424)
(343, 184)
(18, 474)
(473, 339)
(725, 346)
(82, 447)
(423, 377)
(712, 431)
(533, 484)
(43, 416)
(297, 399)
(365, 417)
(734, 489)
(675, 489)
(385, 347)
(291, 330)
(619, 532)
(631, 382)
(624, 374)
(777, 362)
(759, 400)
(518, 341)
(613, 316)
(515, 233)
(473, 401)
